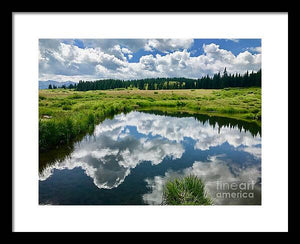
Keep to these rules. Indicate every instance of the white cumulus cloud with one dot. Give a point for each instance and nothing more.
(102, 59)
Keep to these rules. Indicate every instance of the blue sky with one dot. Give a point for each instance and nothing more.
(91, 59)
(236, 47)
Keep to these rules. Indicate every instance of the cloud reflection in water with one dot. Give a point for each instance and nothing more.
(120, 144)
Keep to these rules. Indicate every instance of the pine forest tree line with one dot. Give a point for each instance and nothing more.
(217, 81)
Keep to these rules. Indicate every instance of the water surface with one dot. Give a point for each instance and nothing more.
(127, 160)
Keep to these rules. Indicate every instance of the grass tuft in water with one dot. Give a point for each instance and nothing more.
(189, 190)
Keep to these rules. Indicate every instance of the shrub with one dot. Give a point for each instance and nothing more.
(75, 96)
(255, 110)
(210, 109)
(66, 107)
(180, 103)
(150, 99)
(249, 116)
(143, 103)
(165, 103)
(91, 119)
(258, 116)
(229, 110)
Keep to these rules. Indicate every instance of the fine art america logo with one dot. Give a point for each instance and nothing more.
(235, 190)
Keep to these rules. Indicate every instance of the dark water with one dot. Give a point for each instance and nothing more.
(129, 158)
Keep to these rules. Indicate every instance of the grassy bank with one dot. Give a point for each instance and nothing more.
(65, 114)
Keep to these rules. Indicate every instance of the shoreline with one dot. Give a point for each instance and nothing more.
(65, 115)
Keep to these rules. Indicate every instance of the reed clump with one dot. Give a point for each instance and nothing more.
(189, 190)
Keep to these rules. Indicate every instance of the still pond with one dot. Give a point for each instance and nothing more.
(128, 159)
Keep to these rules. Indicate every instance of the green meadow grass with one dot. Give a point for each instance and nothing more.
(65, 114)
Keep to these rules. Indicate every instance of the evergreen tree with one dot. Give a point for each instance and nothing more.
(217, 81)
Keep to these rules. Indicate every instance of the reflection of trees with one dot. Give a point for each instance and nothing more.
(214, 121)
(48, 158)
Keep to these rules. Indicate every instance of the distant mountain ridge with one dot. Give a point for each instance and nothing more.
(45, 84)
